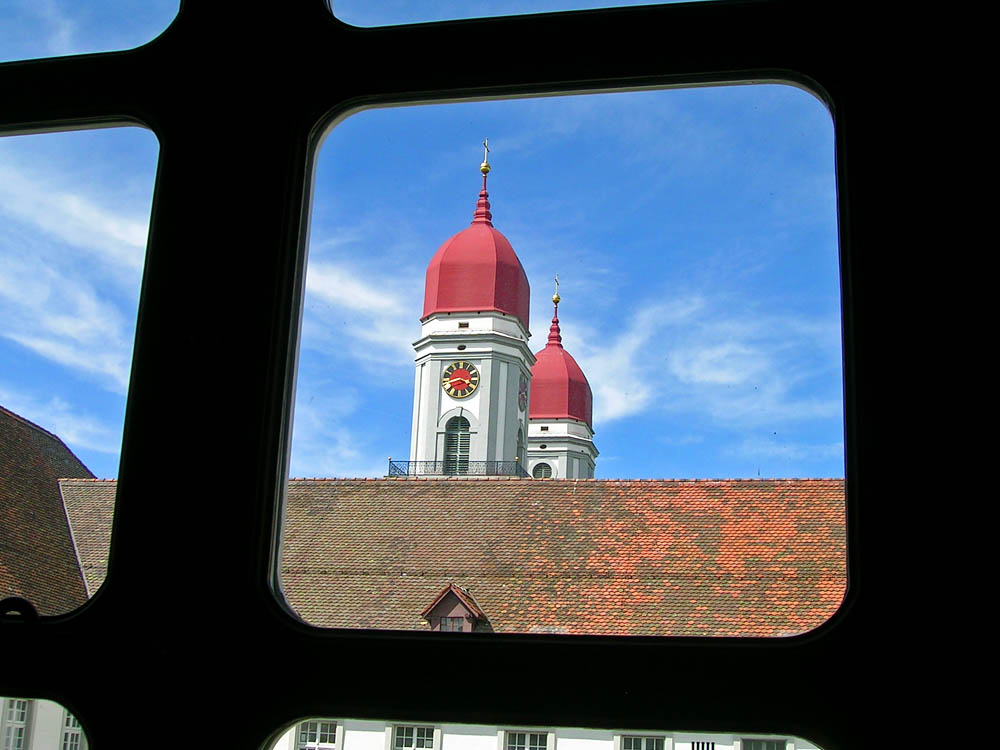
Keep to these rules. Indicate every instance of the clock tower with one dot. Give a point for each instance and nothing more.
(473, 363)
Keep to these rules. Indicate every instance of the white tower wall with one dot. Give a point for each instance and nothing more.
(569, 448)
(497, 344)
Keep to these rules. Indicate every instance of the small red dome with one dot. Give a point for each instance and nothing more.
(477, 270)
(559, 389)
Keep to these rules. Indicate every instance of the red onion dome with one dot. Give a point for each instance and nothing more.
(477, 270)
(559, 389)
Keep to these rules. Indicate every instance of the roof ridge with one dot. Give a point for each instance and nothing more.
(46, 433)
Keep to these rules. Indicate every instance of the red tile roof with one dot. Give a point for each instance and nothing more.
(642, 557)
(719, 557)
(37, 558)
(90, 505)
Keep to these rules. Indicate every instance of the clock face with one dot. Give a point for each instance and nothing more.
(522, 393)
(460, 379)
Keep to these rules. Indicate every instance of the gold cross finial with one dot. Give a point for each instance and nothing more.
(556, 297)
(485, 166)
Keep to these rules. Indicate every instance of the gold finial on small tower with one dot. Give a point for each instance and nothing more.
(556, 297)
(485, 166)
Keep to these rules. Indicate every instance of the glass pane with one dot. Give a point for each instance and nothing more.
(74, 213)
(694, 236)
(53, 28)
(394, 12)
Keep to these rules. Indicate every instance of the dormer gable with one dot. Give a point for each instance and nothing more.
(454, 610)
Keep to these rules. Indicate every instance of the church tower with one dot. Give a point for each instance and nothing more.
(473, 363)
(560, 432)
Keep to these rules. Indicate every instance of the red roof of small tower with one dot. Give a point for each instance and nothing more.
(477, 270)
(559, 389)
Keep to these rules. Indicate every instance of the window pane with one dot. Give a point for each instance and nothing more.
(74, 213)
(694, 234)
(30, 28)
(361, 13)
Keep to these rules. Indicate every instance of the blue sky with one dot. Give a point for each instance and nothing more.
(694, 233)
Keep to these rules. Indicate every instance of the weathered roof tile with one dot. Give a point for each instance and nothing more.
(640, 557)
(37, 558)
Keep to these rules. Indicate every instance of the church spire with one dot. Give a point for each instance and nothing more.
(555, 335)
(483, 215)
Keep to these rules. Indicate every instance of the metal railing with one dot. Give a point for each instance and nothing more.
(460, 467)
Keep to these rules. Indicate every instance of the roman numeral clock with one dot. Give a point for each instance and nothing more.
(460, 379)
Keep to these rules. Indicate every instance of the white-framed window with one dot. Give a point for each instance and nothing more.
(635, 742)
(408, 737)
(317, 735)
(15, 729)
(643, 742)
(452, 624)
(72, 734)
(526, 739)
(752, 744)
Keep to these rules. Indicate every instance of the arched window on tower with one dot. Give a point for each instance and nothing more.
(456, 446)
(542, 471)
(520, 446)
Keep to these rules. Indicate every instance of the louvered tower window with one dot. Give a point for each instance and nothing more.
(542, 471)
(520, 446)
(456, 446)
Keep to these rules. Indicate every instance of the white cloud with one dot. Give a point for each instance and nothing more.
(59, 27)
(367, 311)
(614, 364)
(70, 265)
(323, 445)
(699, 356)
(339, 286)
(64, 319)
(793, 451)
(725, 363)
(116, 242)
(75, 428)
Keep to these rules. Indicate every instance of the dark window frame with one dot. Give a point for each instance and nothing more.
(220, 303)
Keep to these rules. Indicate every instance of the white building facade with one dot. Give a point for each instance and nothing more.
(31, 724)
(354, 734)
